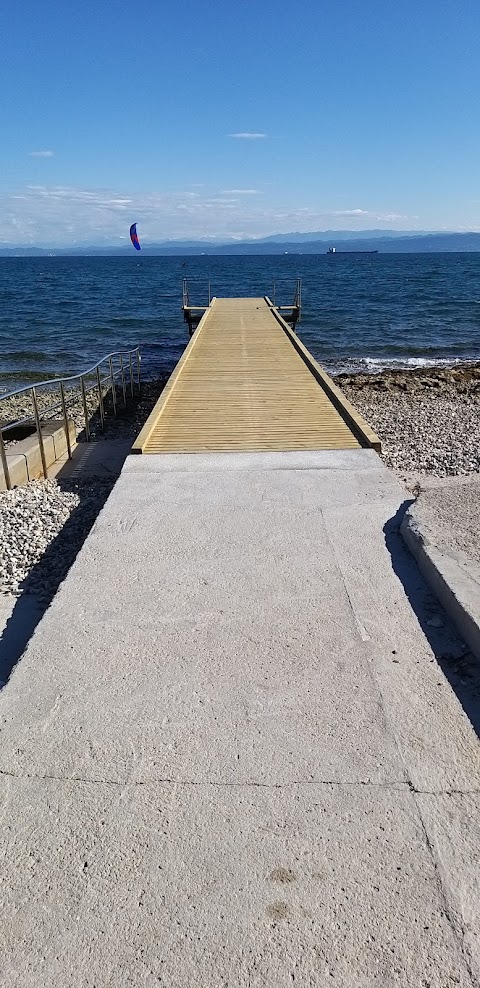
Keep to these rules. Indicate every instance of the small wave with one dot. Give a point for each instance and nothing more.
(375, 365)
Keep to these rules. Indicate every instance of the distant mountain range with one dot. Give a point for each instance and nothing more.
(385, 241)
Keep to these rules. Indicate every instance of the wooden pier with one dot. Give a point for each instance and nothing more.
(246, 382)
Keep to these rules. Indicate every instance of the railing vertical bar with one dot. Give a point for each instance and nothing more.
(85, 409)
(114, 396)
(123, 380)
(131, 374)
(65, 420)
(3, 456)
(138, 372)
(100, 399)
(39, 433)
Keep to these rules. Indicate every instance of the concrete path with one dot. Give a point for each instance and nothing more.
(234, 753)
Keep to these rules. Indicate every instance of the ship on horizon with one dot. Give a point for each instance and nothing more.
(333, 250)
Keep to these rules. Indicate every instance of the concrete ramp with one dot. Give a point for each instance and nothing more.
(228, 755)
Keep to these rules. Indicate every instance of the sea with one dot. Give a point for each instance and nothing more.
(360, 312)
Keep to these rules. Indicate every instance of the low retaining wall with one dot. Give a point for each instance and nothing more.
(24, 458)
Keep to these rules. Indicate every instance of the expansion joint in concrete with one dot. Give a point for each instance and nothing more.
(398, 784)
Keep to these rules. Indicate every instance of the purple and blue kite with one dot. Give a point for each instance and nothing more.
(134, 237)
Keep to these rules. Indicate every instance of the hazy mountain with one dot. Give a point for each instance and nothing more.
(384, 241)
(337, 235)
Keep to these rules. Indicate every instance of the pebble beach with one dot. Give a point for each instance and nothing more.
(428, 421)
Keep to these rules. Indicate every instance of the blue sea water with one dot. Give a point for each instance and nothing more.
(59, 315)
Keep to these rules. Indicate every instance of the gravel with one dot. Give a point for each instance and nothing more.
(42, 527)
(428, 420)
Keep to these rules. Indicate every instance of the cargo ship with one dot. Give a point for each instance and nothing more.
(333, 250)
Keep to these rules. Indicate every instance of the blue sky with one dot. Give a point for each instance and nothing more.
(240, 119)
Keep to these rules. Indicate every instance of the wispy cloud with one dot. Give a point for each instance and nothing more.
(41, 154)
(62, 215)
(248, 136)
(372, 215)
(350, 212)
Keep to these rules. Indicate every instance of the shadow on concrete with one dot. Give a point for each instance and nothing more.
(103, 459)
(457, 663)
(45, 577)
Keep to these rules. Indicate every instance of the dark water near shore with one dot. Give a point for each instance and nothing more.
(59, 315)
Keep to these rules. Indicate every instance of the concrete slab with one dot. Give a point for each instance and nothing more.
(214, 749)
(221, 885)
(238, 642)
(393, 607)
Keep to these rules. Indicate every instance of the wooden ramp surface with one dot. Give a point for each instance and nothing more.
(242, 385)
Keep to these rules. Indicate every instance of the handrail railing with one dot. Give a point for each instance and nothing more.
(38, 415)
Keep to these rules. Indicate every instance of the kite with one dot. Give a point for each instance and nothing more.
(134, 237)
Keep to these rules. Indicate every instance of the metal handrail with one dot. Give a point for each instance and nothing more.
(73, 377)
(60, 382)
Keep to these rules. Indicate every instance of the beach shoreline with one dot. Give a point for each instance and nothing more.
(428, 419)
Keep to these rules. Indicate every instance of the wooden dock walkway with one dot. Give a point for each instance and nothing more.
(246, 382)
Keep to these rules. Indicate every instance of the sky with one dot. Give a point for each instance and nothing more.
(236, 119)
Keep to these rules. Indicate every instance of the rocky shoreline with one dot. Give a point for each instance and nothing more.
(428, 419)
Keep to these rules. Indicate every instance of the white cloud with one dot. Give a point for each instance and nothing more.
(41, 154)
(393, 217)
(60, 215)
(372, 215)
(248, 136)
(350, 212)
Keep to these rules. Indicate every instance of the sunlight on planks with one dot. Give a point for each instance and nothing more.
(242, 384)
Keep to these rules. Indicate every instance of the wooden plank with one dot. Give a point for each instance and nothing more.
(243, 384)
